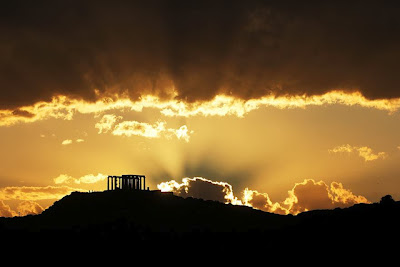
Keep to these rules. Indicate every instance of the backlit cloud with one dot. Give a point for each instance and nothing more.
(106, 123)
(129, 128)
(5, 210)
(304, 196)
(156, 130)
(70, 141)
(344, 197)
(311, 195)
(363, 151)
(181, 133)
(199, 187)
(34, 193)
(86, 179)
(62, 107)
(261, 201)
(24, 208)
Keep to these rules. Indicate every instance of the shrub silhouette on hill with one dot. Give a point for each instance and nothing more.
(387, 200)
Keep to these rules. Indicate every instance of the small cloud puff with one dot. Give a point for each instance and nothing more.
(86, 179)
(66, 142)
(134, 128)
(69, 141)
(363, 151)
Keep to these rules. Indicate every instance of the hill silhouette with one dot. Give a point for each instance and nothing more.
(164, 221)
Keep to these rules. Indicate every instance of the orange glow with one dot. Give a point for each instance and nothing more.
(35, 192)
(113, 137)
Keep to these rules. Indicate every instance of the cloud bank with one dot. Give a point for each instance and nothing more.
(24, 208)
(304, 196)
(62, 107)
(35, 192)
(26, 196)
(195, 52)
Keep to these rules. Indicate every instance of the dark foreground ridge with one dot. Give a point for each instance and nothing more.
(165, 221)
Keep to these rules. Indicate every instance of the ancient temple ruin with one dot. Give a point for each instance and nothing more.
(126, 182)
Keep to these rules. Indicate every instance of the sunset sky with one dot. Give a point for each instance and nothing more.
(285, 106)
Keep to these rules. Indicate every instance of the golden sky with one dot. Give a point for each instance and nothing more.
(268, 148)
(285, 108)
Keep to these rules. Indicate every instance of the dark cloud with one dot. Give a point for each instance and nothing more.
(244, 48)
(205, 189)
(22, 113)
(310, 195)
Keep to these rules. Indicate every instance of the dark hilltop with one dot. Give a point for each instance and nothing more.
(156, 220)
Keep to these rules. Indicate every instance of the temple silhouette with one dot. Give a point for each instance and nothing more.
(126, 182)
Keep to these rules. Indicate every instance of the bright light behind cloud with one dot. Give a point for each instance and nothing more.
(86, 179)
(62, 107)
(106, 123)
(25, 207)
(156, 130)
(304, 196)
(129, 128)
(182, 133)
(200, 187)
(35, 192)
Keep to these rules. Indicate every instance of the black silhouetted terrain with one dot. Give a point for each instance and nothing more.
(154, 220)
